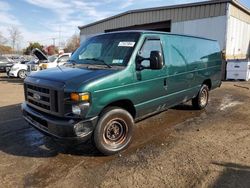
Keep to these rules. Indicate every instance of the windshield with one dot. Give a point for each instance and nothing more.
(52, 58)
(112, 49)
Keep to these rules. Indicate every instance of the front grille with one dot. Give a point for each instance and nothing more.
(42, 98)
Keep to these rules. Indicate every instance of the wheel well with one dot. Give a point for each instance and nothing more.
(208, 83)
(21, 70)
(125, 104)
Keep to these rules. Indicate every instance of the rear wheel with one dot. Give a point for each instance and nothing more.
(201, 100)
(22, 74)
(114, 130)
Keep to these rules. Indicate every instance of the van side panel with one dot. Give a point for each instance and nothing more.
(190, 61)
(205, 61)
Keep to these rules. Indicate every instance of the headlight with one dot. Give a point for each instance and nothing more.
(76, 109)
(34, 67)
(80, 109)
(80, 97)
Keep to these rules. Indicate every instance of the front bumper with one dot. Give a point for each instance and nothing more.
(12, 73)
(59, 128)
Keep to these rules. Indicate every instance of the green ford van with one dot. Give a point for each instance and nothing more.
(115, 79)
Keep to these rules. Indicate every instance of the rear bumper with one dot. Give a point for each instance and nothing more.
(59, 128)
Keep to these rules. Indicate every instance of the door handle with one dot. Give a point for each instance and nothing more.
(165, 84)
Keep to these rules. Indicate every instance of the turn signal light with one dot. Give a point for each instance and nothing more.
(79, 96)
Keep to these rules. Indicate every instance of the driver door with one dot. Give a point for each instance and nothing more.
(151, 84)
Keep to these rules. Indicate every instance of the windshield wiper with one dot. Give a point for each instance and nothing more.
(99, 60)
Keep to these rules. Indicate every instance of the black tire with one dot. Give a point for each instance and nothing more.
(22, 74)
(201, 100)
(8, 73)
(114, 130)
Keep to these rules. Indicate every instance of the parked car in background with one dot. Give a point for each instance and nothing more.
(46, 62)
(42, 58)
(17, 58)
(5, 64)
(20, 69)
(56, 61)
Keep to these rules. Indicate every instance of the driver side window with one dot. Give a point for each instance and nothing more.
(148, 46)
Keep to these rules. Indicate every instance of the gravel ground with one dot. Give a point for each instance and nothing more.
(180, 147)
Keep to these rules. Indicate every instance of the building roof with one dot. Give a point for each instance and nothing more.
(234, 2)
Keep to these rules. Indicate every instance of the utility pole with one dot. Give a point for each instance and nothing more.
(54, 41)
(59, 43)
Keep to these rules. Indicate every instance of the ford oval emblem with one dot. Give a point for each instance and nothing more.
(36, 96)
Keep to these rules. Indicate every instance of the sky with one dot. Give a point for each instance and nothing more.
(44, 20)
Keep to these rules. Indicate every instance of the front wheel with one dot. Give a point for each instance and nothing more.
(201, 100)
(22, 74)
(114, 130)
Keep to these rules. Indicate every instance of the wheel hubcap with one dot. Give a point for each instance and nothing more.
(115, 132)
(203, 98)
(22, 74)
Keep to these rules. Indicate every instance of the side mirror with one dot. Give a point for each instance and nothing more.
(156, 60)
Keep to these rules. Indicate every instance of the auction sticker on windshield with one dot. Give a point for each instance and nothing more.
(126, 44)
(117, 61)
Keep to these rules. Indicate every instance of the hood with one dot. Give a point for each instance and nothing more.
(71, 76)
(39, 54)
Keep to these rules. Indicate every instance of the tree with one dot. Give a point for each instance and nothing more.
(51, 50)
(14, 35)
(5, 49)
(3, 40)
(72, 44)
(32, 46)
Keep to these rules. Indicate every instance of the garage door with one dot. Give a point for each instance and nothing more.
(156, 26)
